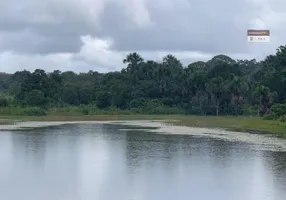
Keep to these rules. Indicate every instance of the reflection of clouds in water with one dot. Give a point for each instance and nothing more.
(40, 167)
(275, 162)
(6, 163)
(262, 181)
(102, 171)
(93, 161)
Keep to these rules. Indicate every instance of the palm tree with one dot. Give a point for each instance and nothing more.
(133, 60)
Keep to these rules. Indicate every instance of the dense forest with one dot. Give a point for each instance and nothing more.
(220, 86)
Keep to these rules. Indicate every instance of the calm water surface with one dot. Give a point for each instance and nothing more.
(100, 162)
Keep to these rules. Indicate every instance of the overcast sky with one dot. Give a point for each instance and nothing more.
(82, 35)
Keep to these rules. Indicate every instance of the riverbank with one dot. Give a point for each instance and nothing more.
(241, 124)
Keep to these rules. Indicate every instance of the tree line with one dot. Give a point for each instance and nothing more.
(220, 86)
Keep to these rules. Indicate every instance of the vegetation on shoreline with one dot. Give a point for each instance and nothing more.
(232, 123)
(219, 87)
(6, 121)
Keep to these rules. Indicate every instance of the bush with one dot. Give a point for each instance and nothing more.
(84, 109)
(168, 110)
(282, 118)
(138, 103)
(168, 101)
(89, 109)
(136, 110)
(66, 110)
(278, 110)
(35, 111)
(194, 110)
(12, 110)
(269, 117)
(249, 110)
(5, 100)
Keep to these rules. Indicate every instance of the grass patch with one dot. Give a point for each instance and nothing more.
(88, 117)
(6, 122)
(245, 124)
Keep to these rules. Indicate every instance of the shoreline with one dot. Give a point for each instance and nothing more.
(165, 127)
(251, 125)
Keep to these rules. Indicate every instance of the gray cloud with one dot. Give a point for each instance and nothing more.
(188, 25)
(184, 25)
(51, 27)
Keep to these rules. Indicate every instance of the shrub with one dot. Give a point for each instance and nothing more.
(5, 100)
(278, 109)
(11, 110)
(282, 118)
(84, 109)
(88, 109)
(168, 110)
(35, 111)
(138, 103)
(269, 117)
(277, 112)
(249, 110)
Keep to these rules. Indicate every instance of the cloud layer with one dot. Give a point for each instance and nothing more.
(82, 35)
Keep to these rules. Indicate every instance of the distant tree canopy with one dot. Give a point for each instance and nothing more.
(220, 86)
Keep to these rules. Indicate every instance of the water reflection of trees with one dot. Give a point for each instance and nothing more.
(220, 152)
(29, 144)
(150, 148)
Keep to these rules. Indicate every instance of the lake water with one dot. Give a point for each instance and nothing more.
(102, 162)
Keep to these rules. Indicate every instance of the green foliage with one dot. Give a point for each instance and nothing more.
(165, 110)
(152, 105)
(35, 98)
(6, 100)
(220, 86)
(35, 111)
(3, 102)
(249, 110)
(89, 109)
(282, 118)
(103, 99)
(22, 111)
(85, 111)
(277, 111)
(138, 103)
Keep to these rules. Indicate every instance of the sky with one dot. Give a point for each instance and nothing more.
(83, 35)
